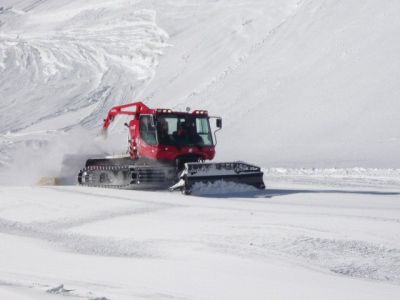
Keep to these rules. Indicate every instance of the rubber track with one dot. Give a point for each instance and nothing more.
(105, 168)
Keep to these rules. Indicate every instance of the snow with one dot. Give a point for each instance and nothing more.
(314, 84)
(14, 293)
(308, 91)
(121, 244)
(65, 65)
(298, 83)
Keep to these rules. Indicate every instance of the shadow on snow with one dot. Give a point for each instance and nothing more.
(270, 193)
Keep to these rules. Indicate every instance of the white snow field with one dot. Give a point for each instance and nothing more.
(308, 89)
(341, 241)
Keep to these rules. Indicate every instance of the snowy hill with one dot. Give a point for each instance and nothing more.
(298, 83)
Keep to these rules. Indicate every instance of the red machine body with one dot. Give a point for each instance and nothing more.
(172, 149)
(167, 149)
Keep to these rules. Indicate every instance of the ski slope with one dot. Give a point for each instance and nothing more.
(337, 241)
(315, 84)
(309, 90)
(65, 65)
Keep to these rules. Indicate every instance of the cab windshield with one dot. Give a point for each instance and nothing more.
(183, 130)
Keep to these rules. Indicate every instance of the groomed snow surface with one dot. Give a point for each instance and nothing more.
(312, 234)
(309, 90)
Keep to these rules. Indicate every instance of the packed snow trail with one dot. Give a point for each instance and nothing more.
(123, 244)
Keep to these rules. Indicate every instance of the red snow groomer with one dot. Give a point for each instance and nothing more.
(167, 149)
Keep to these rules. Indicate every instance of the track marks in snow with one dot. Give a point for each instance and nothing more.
(353, 258)
(313, 234)
(33, 5)
(56, 233)
(218, 80)
(306, 229)
(78, 243)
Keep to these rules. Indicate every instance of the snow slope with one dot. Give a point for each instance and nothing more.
(304, 83)
(72, 57)
(298, 83)
(64, 65)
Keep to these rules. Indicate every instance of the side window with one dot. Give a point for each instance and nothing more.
(203, 129)
(147, 131)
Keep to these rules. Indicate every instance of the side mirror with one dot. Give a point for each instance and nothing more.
(219, 123)
(126, 125)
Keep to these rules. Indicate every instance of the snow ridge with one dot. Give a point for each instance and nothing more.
(94, 56)
(64, 68)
